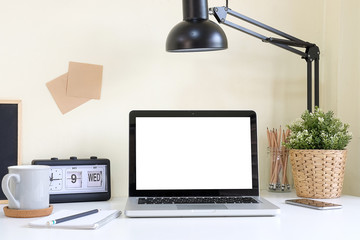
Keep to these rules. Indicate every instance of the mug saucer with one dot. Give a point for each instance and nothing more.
(18, 213)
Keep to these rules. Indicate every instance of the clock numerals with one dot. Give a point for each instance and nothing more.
(73, 179)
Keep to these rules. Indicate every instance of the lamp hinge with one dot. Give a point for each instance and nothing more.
(312, 53)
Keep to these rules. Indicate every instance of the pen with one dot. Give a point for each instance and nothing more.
(79, 215)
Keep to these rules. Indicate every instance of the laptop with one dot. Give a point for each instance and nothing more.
(194, 164)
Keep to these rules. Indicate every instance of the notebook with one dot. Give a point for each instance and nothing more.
(194, 163)
(92, 221)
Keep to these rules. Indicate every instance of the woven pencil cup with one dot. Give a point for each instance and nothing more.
(318, 173)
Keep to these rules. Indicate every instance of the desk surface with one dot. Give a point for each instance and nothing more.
(293, 223)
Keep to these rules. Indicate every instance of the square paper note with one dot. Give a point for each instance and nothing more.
(57, 88)
(84, 80)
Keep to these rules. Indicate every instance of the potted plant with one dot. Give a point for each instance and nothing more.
(317, 145)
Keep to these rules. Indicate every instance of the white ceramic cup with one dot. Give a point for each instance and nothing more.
(27, 187)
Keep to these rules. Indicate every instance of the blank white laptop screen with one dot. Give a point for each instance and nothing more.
(174, 153)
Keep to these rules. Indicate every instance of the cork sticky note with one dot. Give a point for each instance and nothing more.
(84, 80)
(66, 103)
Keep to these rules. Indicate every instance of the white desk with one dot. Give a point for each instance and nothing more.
(293, 223)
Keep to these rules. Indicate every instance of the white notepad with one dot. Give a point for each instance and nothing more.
(92, 221)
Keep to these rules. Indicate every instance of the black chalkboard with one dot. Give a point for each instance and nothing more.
(10, 116)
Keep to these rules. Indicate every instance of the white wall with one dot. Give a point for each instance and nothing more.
(39, 38)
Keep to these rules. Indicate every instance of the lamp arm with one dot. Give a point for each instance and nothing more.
(220, 13)
(311, 53)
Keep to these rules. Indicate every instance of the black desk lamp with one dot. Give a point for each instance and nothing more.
(197, 33)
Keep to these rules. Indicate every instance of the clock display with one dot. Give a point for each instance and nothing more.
(77, 179)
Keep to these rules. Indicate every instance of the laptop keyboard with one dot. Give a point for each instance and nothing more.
(195, 200)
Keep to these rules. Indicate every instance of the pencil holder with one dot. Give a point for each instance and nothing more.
(279, 180)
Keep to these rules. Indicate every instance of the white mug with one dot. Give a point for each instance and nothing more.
(27, 187)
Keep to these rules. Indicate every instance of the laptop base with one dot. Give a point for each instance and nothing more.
(263, 208)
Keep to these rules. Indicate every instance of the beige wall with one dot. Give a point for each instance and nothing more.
(342, 62)
(40, 37)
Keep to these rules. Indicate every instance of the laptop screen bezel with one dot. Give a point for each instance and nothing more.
(133, 192)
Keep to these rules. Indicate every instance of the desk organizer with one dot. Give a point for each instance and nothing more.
(278, 156)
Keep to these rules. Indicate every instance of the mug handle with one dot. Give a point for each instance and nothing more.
(6, 189)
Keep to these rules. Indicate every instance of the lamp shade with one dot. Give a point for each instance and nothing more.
(196, 32)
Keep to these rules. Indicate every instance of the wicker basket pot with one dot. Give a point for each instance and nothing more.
(318, 173)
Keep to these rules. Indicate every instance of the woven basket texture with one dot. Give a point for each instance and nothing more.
(318, 173)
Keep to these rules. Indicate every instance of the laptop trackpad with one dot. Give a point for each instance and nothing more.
(199, 206)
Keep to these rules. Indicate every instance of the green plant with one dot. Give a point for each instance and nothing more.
(318, 130)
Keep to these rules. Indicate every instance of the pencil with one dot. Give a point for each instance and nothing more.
(68, 218)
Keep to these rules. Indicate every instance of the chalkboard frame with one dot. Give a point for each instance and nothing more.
(3, 166)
